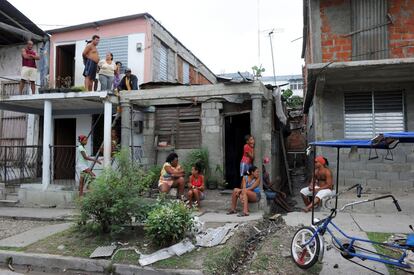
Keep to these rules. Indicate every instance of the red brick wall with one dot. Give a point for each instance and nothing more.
(401, 32)
(335, 47)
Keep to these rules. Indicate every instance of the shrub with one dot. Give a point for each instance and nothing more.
(197, 155)
(115, 197)
(168, 222)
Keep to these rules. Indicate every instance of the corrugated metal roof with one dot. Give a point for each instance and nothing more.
(13, 17)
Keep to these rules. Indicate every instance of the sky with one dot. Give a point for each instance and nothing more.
(223, 34)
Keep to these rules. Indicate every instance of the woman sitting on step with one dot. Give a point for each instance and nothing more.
(249, 192)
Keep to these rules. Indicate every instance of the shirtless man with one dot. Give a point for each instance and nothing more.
(323, 184)
(91, 58)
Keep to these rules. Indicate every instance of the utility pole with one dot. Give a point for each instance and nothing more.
(258, 32)
(273, 59)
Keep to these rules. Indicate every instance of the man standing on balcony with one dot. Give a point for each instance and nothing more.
(90, 59)
(29, 70)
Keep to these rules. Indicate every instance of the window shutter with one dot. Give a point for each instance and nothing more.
(118, 46)
(368, 114)
(163, 76)
(389, 113)
(181, 123)
(358, 115)
(186, 73)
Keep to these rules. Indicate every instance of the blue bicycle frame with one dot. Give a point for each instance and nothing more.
(327, 225)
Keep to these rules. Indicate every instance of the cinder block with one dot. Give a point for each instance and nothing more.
(212, 129)
(406, 175)
(400, 167)
(401, 185)
(378, 184)
(388, 176)
(365, 174)
(208, 121)
(353, 181)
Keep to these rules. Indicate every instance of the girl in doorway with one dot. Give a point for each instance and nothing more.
(248, 155)
(195, 186)
(82, 163)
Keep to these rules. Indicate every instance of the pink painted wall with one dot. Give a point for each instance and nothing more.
(133, 26)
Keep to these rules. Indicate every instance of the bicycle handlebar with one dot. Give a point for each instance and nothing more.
(359, 190)
(397, 205)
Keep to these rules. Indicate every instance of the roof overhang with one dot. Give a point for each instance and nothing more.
(16, 28)
(362, 73)
(74, 103)
(236, 93)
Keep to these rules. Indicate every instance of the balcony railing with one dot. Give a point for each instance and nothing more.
(20, 164)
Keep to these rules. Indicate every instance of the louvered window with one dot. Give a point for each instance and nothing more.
(179, 126)
(163, 63)
(186, 73)
(370, 113)
(118, 46)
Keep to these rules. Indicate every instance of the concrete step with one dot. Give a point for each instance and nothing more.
(12, 196)
(8, 202)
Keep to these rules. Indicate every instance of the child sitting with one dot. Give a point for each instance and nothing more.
(195, 186)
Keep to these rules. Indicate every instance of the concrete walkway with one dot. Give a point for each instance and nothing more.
(354, 224)
(45, 214)
(34, 235)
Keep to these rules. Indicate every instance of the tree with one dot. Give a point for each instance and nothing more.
(292, 101)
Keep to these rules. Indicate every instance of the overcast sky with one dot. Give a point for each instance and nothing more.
(223, 34)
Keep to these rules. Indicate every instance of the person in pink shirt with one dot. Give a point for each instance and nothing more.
(248, 155)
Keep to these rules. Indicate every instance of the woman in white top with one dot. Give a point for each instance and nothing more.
(106, 72)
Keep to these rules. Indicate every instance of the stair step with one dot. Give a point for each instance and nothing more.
(7, 201)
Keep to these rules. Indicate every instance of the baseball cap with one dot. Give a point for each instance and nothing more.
(128, 70)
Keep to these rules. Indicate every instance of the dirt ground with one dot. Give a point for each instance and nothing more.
(272, 255)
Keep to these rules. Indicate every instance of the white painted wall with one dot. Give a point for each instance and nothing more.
(135, 58)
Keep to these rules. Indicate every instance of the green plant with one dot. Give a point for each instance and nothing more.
(257, 71)
(115, 197)
(200, 156)
(168, 222)
(292, 101)
(220, 176)
(78, 88)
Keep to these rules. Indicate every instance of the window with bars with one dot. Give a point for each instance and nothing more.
(370, 113)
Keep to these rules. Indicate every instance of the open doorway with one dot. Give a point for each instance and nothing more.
(65, 66)
(236, 128)
(64, 149)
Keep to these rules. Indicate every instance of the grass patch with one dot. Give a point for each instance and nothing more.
(80, 244)
(218, 260)
(9, 248)
(383, 237)
(126, 257)
(186, 261)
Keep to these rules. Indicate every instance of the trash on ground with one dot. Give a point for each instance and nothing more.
(165, 253)
(215, 236)
(103, 251)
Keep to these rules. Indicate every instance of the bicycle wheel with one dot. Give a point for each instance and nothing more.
(305, 256)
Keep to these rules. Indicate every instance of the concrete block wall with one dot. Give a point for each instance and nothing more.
(212, 133)
(376, 174)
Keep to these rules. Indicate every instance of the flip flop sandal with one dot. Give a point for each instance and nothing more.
(231, 212)
(242, 214)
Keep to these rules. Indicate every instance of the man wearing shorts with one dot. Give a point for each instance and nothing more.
(29, 70)
(90, 59)
(323, 184)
